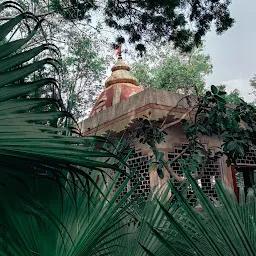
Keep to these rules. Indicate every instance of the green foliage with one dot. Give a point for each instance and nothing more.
(147, 132)
(161, 68)
(235, 126)
(83, 72)
(79, 45)
(223, 227)
(72, 9)
(167, 224)
(26, 125)
(56, 222)
(232, 97)
(32, 146)
(184, 23)
(253, 85)
(253, 81)
(167, 20)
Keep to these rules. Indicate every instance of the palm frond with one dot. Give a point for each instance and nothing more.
(29, 144)
(89, 225)
(224, 227)
(46, 175)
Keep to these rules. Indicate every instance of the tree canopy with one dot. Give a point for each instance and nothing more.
(84, 69)
(69, 22)
(153, 20)
(164, 68)
(84, 61)
(253, 85)
(182, 22)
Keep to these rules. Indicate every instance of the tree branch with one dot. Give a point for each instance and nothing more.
(164, 127)
(180, 154)
(37, 15)
(185, 97)
(171, 171)
(182, 178)
(174, 174)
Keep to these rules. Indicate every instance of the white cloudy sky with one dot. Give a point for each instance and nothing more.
(233, 53)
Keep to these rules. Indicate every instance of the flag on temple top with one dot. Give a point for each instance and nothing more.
(118, 51)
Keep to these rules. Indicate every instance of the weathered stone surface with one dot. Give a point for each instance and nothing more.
(156, 102)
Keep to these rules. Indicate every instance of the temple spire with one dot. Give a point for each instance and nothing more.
(119, 86)
(121, 73)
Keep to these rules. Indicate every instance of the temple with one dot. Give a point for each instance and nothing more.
(123, 102)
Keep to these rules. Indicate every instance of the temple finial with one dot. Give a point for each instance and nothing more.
(120, 73)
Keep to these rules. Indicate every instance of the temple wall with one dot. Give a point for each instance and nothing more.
(174, 143)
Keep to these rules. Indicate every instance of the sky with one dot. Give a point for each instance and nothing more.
(233, 53)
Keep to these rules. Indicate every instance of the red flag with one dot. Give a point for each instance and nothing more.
(119, 50)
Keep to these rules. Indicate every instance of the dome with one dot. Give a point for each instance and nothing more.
(119, 86)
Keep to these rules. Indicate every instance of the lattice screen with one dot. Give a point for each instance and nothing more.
(211, 173)
(141, 164)
(248, 159)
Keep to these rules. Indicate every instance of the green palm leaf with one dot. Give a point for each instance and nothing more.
(225, 228)
(19, 59)
(24, 127)
(44, 174)
(87, 226)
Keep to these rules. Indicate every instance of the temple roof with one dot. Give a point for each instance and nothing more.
(119, 86)
(159, 105)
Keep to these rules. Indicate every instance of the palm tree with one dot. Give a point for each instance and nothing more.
(223, 227)
(54, 223)
(29, 143)
(45, 174)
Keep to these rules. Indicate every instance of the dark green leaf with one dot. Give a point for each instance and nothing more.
(160, 173)
(214, 89)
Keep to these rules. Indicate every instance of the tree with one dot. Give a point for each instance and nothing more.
(234, 126)
(231, 98)
(253, 81)
(83, 57)
(84, 69)
(63, 19)
(182, 22)
(164, 68)
(253, 85)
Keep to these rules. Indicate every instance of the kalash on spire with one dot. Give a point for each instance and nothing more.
(118, 87)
